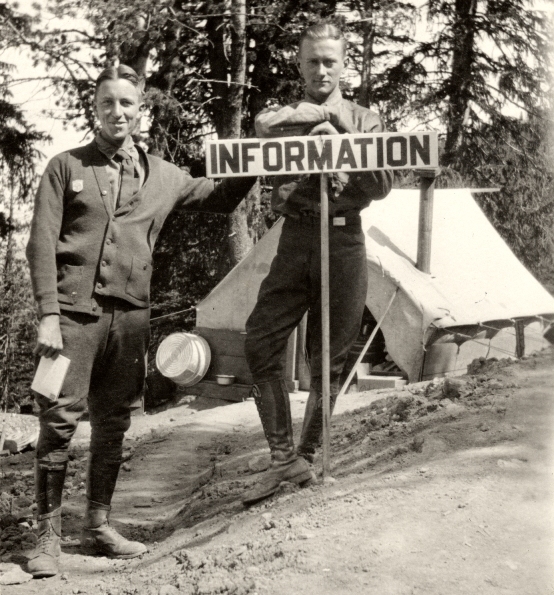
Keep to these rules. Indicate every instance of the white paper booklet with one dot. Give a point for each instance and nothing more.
(49, 377)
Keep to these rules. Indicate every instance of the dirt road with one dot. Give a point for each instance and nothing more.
(439, 489)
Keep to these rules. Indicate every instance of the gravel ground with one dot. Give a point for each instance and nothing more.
(442, 487)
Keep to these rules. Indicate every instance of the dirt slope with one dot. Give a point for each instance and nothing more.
(440, 489)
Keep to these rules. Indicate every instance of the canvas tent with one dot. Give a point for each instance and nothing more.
(479, 300)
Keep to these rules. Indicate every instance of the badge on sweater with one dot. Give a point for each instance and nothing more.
(77, 185)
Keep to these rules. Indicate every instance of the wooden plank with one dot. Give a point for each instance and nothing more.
(208, 388)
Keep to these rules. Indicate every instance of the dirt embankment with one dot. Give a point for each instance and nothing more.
(442, 488)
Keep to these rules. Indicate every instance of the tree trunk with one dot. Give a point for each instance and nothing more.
(368, 35)
(228, 63)
(459, 88)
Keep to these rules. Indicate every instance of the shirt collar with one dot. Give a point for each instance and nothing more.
(109, 150)
(334, 99)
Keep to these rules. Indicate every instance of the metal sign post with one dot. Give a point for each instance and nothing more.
(325, 336)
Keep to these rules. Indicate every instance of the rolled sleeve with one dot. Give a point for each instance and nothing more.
(205, 195)
(292, 120)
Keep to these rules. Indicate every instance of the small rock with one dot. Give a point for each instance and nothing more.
(186, 399)
(168, 590)
(511, 464)
(259, 464)
(22, 502)
(7, 520)
(306, 535)
(329, 480)
(126, 467)
(454, 410)
(267, 516)
(417, 443)
(24, 515)
(11, 574)
(511, 565)
(452, 388)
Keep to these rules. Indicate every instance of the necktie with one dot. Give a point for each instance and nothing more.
(129, 183)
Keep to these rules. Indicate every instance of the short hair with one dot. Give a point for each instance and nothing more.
(114, 73)
(323, 30)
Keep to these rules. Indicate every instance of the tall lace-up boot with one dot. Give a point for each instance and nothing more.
(98, 536)
(272, 402)
(45, 559)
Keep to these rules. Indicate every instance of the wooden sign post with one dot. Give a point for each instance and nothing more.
(323, 155)
(425, 229)
(325, 325)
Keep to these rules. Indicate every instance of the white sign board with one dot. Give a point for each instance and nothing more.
(320, 154)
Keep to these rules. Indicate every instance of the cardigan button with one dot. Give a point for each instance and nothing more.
(104, 193)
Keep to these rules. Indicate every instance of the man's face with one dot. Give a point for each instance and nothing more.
(118, 105)
(321, 62)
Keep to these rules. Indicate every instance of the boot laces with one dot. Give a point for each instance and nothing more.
(111, 532)
(45, 539)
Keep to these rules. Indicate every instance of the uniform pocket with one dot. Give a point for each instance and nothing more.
(69, 282)
(138, 283)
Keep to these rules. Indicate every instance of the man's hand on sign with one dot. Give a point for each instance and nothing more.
(323, 128)
(49, 339)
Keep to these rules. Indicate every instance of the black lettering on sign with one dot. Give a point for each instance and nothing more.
(225, 158)
(424, 151)
(380, 161)
(403, 159)
(246, 158)
(323, 159)
(346, 155)
(278, 154)
(291, 158)
(213, 158)
(363, 142)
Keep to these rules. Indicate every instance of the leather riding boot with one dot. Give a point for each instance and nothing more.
(312, 428)
(98, 536)
(273, 404)
(49, 478)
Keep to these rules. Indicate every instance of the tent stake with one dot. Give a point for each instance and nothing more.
(366, 346)
(325, 340)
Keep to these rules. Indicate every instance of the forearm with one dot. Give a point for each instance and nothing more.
(292, 120)
(204, 195)
(373, 185)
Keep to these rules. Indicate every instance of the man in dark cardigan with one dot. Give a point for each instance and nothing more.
(98, 212)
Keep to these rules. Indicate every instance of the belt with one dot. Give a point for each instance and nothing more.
(337, 220)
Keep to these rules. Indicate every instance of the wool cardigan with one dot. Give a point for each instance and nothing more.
(79, 247)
